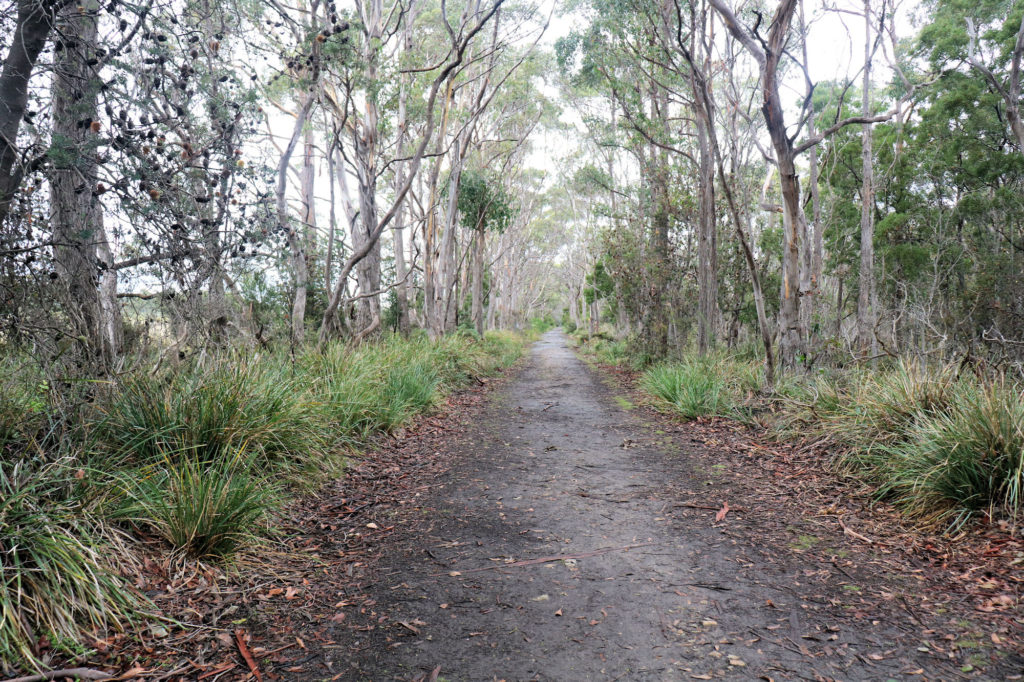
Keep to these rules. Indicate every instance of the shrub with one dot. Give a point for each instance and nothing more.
(53, 583)
(206, 509)
(254, 403)
(611, 352)
(956, 463)
(859, 412)
(691, 389)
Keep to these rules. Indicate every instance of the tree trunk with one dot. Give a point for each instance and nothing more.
(366, 153)
(81, 253)
(705, 98)
(296, 244)
(32, 28)
(478, 281)
(865, 296)
(401, 271)
(707, 244)
(768, 54)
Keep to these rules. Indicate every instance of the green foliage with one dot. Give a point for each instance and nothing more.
(599, 284)
(861, 411)
(693, 389)
(199, 457)
(940, 447)
(23, 403)
(254, 403)
(958, 462)
(206, 509)
(539, 325)
(53, 580)
(484, 203)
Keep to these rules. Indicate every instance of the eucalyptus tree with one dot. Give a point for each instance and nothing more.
(619, 53)
(485, 206)
(364, 124)
(769, 53)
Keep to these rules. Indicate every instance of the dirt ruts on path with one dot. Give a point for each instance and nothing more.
(575, 539)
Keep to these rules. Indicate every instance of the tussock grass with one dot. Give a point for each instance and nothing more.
(53, 581)
(962, 461)
(204, 509)
(942, 448)
(22, 403)
(201, 456)
(691, 389)
(255, 403)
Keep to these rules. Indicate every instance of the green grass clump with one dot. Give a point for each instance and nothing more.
(204, 509)
(53, 582)
(961, 461)
(692, 389)
(23, 403)
(188, 455)
(943, 448)
(498, 349)
(377, 388)
(255, 403)
(861, 412)
(610, 352)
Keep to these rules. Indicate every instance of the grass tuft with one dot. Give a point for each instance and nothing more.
(209, 413)
(692, 389)
(204, 509)
(53, 583)
(963, 461)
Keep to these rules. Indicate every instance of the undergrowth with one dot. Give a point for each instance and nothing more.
(54, 581)
(199, 456)
(943, 447)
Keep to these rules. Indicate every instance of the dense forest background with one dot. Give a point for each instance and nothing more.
(183, 176)
(240, 237)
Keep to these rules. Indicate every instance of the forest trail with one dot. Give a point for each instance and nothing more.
(573, 540)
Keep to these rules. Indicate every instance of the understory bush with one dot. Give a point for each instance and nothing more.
(206, 509)
(691, 389)
(257, 403)
(941, 447)
(958, 462)
(199, 456)
(55, 586)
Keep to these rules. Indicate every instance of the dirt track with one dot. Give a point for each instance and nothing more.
(574, 539)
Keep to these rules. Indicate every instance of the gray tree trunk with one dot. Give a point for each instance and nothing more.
(707, 244)
(296, 243)
(81, 252)
(865, 296)
(478, 281)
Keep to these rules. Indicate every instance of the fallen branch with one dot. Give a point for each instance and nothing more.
(853, 533)
(690, 505)
(75, 673)
(217, 671)
(560, 557)
(246, 654)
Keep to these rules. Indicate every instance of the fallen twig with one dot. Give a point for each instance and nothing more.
(217, 671)
(690, 505)
(560, 557)
(246, 654)
(74, 673)
(853, 533)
